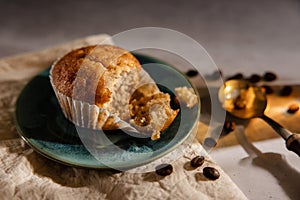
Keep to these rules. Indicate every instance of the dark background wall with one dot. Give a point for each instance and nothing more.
(235, 33)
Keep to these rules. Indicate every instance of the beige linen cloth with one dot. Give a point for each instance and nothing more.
(25, 174)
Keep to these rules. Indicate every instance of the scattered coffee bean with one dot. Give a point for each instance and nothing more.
(164, 169)
(266, 89)
(197, 161)
(238, 76)
(293, 108)
(269, 76)
(228, 127)
(191, 73)
(286, 91)
(254, 78)
(209, 142)
(211, 173)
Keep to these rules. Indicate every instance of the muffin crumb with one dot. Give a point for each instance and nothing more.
(186, 95)
(293, 108)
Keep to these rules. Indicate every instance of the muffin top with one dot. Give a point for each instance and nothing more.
(88, 73)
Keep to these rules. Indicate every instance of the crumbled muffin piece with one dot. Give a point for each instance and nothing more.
(186, 95)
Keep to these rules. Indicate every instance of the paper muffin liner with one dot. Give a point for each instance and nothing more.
(86, 115)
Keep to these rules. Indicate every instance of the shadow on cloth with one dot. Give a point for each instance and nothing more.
(66, 175)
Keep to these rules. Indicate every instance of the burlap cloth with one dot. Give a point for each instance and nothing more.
(25, 174)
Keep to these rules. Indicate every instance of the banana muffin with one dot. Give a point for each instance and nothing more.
(104, 87)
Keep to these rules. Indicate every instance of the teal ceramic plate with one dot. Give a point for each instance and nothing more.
(42, 125)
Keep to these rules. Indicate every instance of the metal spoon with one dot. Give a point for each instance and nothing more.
(245, 101)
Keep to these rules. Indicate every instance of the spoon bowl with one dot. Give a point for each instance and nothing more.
(241, 99)
(245, 101)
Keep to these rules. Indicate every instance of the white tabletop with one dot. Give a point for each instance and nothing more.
(273, 174)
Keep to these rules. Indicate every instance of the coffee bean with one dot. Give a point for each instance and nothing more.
(266, 89)
(211, 173)
(293, 108)
(286, 91)
(197, 161)
(238, 76)
(164, 169)
(254, 78)
(209, 142)
(228, 127)
(269, 76)
(191, 73)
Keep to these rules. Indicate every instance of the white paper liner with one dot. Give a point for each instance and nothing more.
(93, 117)
(85, 115)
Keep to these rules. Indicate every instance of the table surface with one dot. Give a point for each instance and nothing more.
(240, 36)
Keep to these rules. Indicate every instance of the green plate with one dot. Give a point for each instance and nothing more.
(41, 123)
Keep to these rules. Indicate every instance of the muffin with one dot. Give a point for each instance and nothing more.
(104, 87)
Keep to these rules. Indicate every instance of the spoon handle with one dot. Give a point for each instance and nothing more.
(293, 143)
(292, 140)
(284, 133)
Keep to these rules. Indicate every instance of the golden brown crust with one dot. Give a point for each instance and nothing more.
(84, 74)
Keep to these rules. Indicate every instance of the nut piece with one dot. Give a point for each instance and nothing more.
(293, 108)
(164, 169)
(211, 173)
(197, 161)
